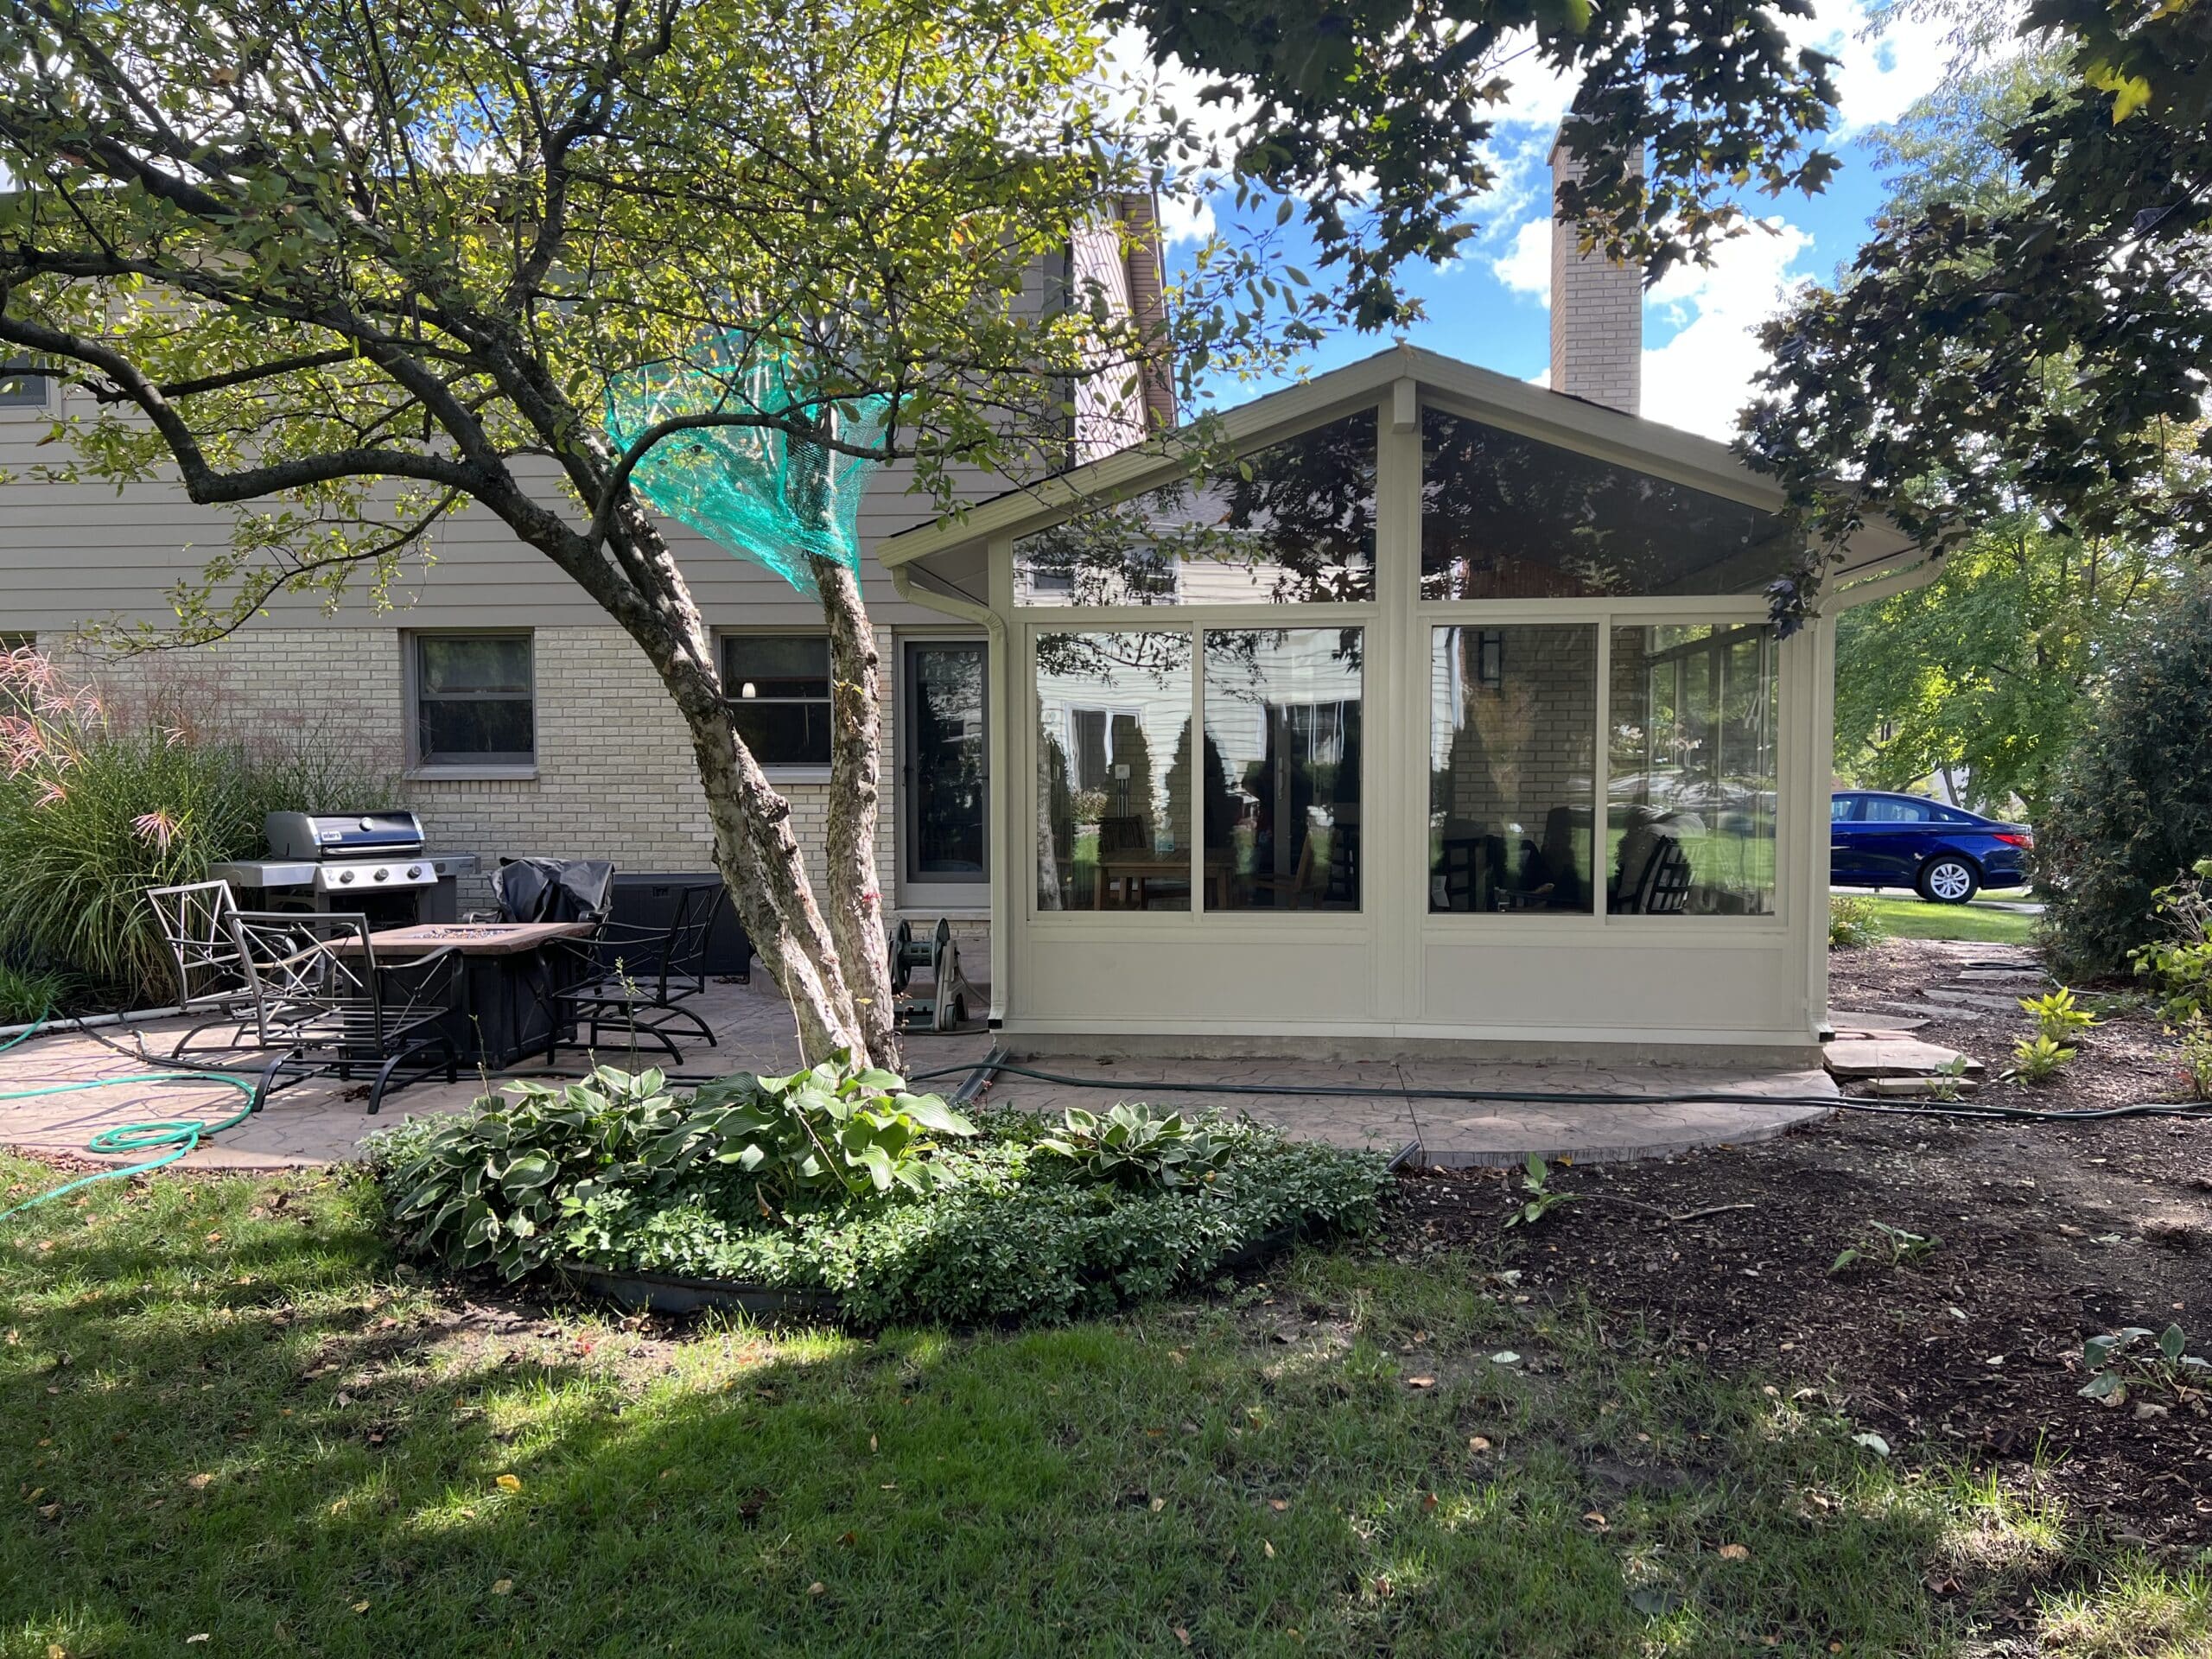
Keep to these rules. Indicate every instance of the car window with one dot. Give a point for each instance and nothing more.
(1841, 807)
(1891, 809)
(1952, 815)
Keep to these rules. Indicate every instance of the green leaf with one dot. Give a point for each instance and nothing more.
(2172, 1342)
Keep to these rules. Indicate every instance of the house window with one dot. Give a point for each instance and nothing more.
(474, 704)
(23, 385)
(1693, 773)
(778, 689)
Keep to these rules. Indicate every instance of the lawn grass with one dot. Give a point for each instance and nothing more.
(238, 1418)
(1906, 916)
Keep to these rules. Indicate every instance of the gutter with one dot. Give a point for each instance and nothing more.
(909, 584)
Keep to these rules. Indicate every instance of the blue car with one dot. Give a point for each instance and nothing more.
(1944, 853)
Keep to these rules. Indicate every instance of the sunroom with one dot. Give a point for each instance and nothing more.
(1451, 714)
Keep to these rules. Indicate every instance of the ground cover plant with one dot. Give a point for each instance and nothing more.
(231, 1414)
(837, 1179)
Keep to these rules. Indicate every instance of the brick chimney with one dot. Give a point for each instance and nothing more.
(1597, 309)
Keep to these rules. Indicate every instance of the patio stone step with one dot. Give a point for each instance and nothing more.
(2003, 976)
(1852, 1059)
(1922, 1086)
(1973, 998)
(1883, 1016)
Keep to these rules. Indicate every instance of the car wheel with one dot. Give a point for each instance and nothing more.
(1949, 880)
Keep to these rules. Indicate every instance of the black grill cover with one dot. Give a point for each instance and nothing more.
(553, 889)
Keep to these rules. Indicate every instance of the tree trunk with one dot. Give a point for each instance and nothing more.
(855, 895)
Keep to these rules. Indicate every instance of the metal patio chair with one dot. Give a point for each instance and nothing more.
(212, 974)
(637, 979)
(325, 1006)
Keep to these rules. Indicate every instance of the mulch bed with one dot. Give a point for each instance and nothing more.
(2049, 1233)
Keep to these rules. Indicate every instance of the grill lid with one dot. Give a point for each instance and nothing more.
(343, 835)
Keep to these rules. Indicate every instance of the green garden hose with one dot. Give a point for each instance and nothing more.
(179, 1136)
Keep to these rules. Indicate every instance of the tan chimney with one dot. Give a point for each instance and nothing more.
(1597, 309)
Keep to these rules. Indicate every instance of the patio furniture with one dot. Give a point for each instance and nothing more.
(501, 1009)
(1654, 875)
(211, 969)
(639, 978)
(310, 993)
(550, 890)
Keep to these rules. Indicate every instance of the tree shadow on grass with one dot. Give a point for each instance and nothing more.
(313, 1460)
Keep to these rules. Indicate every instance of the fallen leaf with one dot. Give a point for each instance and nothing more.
(817, 1588)
(509, 1482)
(1267, 1549)
(1182, 1635)
(1734, 1553)
(361, 1607)
(1873, 1443)
(1478, 1443)
(1420, 1382)
(1428, 1500)
(503, 1586)
(871, 1442)
(1278, 1504)
(189, 1640)
(1505, 1356)
(338, 1507)
(1158, 1505)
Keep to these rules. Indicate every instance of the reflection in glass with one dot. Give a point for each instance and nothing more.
(1512, 728)
(1301, 528)
(1504, 517)
(1113, 733)
(1693, 771)
(1282, 739)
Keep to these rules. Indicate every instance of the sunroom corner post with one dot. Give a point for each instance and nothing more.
(1399, 902)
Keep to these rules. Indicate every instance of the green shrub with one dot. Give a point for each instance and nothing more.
(620, 1173)
(96, 806)
(2058, 1016)
(2133, 805)
(2195, 1034)
(1853, 921)
(2180, 965)
(27, 993)
(2038, 1060)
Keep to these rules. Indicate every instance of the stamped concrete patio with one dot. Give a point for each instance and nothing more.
(1378, 1103)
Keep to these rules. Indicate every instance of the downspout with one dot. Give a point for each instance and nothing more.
(907, 582)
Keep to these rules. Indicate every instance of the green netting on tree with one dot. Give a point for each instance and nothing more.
(755, 491)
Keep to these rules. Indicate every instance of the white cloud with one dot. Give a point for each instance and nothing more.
(1878, 77)
(1703, 376)
(1526, 266)
(1186, 219)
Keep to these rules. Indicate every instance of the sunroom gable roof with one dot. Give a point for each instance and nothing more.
(1496, 399)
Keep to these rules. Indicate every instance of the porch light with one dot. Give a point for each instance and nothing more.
(746, 691)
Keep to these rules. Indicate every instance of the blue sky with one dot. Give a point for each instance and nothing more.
(1489, 306)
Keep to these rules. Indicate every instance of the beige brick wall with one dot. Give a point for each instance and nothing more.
(615, 775)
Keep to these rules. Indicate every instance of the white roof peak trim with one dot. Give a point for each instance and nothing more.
(1499, 399)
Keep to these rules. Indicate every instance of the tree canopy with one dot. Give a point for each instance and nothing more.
(2034, 333)
(1375, 115)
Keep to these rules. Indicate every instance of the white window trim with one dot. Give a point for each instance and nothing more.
(417, 769)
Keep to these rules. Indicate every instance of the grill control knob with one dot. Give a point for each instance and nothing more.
(414, 872)
(345, 876)
(382, 874)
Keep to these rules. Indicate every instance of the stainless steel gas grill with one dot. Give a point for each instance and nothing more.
(372, 862)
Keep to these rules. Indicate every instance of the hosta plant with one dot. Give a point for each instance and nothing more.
(2158, 1358)
(2058, 1016)
(1134, 1146)
(1541, 1198)
(508, 1184)
(833, 1131)
(2037, 1059)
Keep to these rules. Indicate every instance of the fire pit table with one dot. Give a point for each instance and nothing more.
(510, 974)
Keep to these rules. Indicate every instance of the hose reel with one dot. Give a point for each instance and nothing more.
(945, 1006)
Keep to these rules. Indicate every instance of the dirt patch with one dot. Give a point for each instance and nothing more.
(1969, 1349)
